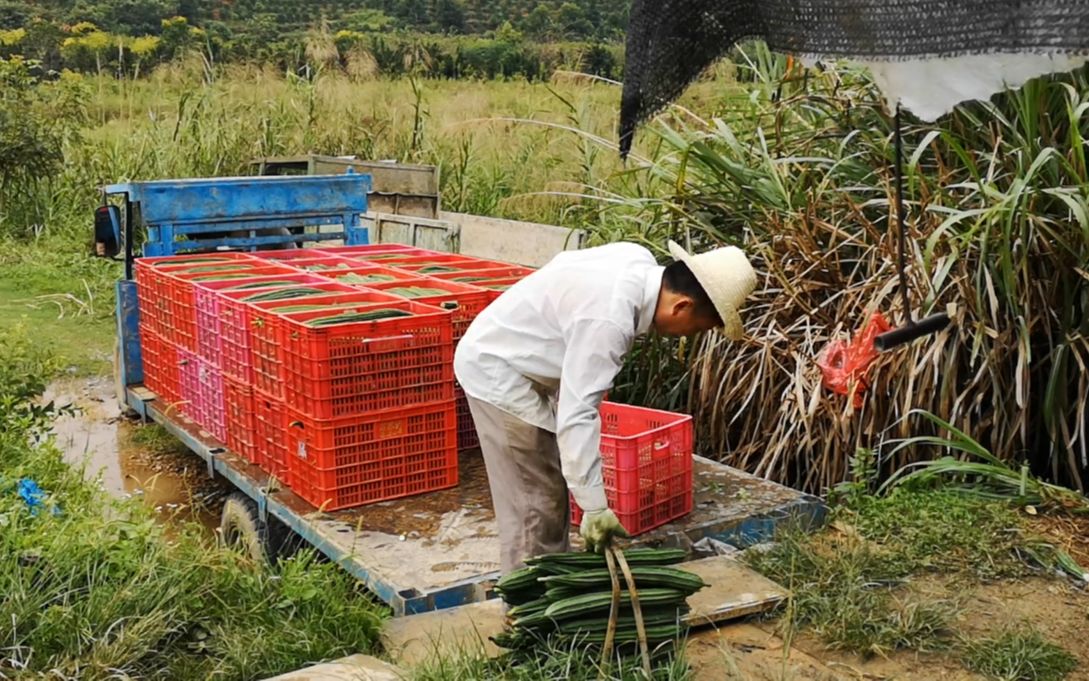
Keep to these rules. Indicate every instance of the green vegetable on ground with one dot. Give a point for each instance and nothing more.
(568, 597)
(433, 269)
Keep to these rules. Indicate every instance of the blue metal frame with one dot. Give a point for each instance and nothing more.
(177, 212)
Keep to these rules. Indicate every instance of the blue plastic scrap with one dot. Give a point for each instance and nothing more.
(33, 495)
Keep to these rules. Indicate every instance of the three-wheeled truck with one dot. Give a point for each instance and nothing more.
(427, 552)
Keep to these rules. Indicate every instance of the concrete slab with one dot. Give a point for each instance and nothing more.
(735, 591)
(353, 668)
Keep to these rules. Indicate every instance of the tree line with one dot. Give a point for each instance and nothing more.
(441, 38)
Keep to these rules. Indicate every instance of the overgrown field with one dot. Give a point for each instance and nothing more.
(90, 588)
(796, 169)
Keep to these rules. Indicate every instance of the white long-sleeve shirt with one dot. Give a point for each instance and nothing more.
(550, 347)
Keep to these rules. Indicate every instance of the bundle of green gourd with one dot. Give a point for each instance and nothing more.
(568, 596)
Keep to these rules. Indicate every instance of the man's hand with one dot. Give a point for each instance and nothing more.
(599, 527)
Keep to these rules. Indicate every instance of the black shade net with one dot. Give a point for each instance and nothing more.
(670, 42)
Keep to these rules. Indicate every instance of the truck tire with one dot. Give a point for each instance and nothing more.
(240, 526)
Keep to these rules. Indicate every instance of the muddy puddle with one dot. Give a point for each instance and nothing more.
(130, 459)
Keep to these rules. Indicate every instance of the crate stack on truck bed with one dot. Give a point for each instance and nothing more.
(332, 370)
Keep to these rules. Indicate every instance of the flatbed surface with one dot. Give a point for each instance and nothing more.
(439, 550)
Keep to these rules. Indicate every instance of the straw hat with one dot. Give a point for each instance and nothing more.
(727, 277)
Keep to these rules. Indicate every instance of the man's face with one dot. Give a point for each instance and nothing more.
(676, 316)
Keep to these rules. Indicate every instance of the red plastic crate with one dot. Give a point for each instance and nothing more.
(647, 466)
(267, 359)
(193, 259)
(160, 359)
(270, 444)
(241, 432)
(206, 300)
(153, 302)
(361, 367)
(181, 297)
(235, 324)
(467, 437)
(475, 277)
(464, 302)
(418, 263)
(323, 264)
(353, 461)
(286, 255)
(363, 270)
(377, 252)
(497, 287)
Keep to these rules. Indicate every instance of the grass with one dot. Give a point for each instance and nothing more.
(845, 593)
(1018, 654)
(64, 295)
(852, 585)
(92, 588)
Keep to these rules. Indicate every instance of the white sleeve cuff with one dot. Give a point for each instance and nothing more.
(590, 498)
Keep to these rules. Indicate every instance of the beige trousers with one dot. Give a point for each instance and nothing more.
(529, 492)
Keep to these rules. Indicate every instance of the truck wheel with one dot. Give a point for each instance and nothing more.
(240, 526)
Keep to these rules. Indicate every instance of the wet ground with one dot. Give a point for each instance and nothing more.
(131, 459)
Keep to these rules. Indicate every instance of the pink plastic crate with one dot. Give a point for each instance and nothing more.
(647, 465)
(206, 300)
(202, 394)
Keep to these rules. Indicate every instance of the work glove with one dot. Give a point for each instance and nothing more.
(599, 527)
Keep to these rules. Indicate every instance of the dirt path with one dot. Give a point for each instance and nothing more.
(751, 651)
(170, 480)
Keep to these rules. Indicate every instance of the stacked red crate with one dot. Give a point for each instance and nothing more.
(478, 275)
(347, 412)
(355, 393)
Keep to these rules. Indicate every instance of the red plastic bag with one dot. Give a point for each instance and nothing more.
(845, 365)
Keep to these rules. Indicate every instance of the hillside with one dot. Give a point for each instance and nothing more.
(545, 20)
